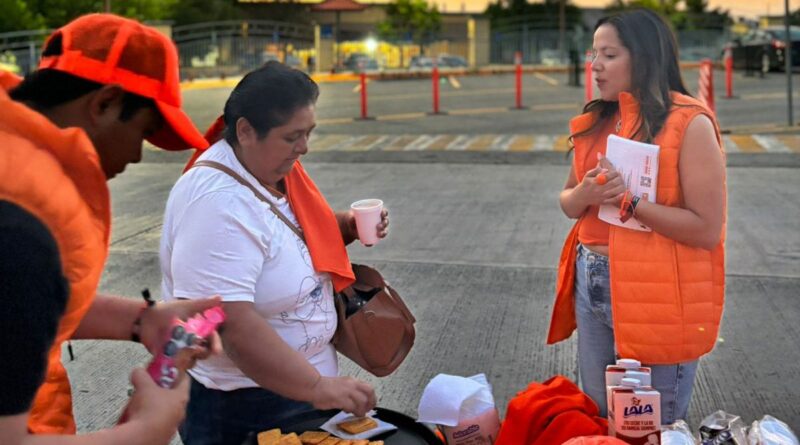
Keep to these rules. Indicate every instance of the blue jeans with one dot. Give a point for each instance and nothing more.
(216, 417)
(596, 347)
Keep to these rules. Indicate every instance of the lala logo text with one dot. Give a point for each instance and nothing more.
(637, 409)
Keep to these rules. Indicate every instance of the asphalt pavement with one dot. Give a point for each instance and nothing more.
(474, 244)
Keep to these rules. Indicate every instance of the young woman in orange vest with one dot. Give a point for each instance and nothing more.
(653, 296)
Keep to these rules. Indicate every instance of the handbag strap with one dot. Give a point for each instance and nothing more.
(225, 169)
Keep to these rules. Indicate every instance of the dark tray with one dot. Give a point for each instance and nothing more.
(408, 431)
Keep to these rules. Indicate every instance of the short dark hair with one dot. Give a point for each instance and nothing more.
(48, 88)
(268, 97)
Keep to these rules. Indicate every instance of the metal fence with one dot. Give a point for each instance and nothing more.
(214, 48)
(20, 50)
(541, 46)
(235, 47)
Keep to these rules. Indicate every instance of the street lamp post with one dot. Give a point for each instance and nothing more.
(787, 51)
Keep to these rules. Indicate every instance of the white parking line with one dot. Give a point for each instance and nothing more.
(546, 78)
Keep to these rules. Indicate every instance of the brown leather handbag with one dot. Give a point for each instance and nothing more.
(376, 329)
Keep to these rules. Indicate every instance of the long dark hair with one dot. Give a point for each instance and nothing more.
(655, 71)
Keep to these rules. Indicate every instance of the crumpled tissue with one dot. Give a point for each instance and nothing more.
(449, 399)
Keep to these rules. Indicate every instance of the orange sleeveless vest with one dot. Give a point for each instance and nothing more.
(55, 174)
(666, 297)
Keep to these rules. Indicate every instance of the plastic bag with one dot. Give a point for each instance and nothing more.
(771, 431)
(721, 428)
(678, 433)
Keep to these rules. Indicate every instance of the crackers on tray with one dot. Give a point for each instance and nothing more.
(275, 437)
(357, 425)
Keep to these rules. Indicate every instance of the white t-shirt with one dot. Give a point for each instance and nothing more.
(219, 239)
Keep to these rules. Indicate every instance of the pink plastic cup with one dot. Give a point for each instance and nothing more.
(368, 216)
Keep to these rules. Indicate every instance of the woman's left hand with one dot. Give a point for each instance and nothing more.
(383, 226)
(351, 233)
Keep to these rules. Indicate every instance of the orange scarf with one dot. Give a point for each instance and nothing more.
(316, 218)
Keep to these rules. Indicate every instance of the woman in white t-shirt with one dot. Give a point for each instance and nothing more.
(219, 238)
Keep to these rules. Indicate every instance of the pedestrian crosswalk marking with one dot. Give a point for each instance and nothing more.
(738, 143)
(791, 142)
(442, 142)
(460, 143)
(770, 143)
(521, 142)
(747, 144)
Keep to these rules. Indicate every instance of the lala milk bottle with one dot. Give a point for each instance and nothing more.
(635, 412)
(615, 373)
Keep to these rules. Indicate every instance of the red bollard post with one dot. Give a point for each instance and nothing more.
(518, 62)
(588, 77)
(728, 73)
(363, 95)
(435, 77)
(706, 84)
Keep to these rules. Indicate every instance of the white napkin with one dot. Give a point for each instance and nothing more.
(448, 399)
(330, 426)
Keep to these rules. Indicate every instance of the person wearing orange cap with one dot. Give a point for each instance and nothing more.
(104, 84)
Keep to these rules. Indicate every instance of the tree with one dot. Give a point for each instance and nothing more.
(196, 11)
(410, 20)
(16, 16)
(545, 15)
(56, 13)
(693, 15)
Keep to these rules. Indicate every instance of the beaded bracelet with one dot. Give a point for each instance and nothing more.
(137, 325)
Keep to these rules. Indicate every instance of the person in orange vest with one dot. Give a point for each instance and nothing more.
(104, 84)
(655, 296)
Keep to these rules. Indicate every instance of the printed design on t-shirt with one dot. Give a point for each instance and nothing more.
(304, 253)
(308, 306)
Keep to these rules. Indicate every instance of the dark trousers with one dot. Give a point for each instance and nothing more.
(216, 417)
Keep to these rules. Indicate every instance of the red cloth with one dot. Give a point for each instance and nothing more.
(550, 413)
(594, 440)
(316, 218)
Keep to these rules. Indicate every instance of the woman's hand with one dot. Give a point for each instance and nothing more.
(347, 224)
(602, 184)
(155, 412)
(383, 226)
(344, 393)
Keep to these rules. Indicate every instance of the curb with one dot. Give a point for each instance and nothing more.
(201, 84)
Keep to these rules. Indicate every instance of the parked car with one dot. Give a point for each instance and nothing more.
(765, 49)
(420, 63)
(450, 61)
(289, 59)
(358, 61)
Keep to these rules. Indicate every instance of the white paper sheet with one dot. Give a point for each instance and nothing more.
(330, 426)
(637, 162)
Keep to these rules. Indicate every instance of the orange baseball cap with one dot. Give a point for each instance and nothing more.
(110, 49)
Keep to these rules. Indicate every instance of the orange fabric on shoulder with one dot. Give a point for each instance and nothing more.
(9, 81)
(316, 218)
